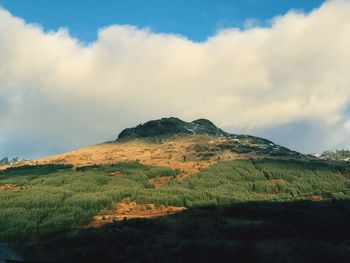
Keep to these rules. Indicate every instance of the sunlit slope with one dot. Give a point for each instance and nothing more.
(186, 152)
(171, 142)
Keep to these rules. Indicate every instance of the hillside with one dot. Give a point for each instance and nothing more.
(173, 143)
(106, 213)
(212, 142)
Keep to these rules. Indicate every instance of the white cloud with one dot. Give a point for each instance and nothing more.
(57, 94)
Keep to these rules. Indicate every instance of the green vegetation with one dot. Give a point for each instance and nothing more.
(65, 198)
(34, 169)
(58, 198)
(231, 182)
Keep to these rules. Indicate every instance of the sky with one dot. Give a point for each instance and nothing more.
(195, 19)
(75, 73)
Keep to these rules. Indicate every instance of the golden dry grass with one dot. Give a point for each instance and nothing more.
(189, 154)
(12, 187)
(176, 153)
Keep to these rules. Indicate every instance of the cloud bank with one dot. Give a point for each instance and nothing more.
(289, 82)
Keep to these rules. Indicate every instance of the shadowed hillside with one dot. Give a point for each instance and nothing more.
(303, 231)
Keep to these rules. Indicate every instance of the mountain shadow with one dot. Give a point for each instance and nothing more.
(298, 231)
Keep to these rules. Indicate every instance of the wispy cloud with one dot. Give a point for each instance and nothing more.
(57, 94)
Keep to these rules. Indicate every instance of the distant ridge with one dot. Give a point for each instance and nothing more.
(171, 126)
(336, 155)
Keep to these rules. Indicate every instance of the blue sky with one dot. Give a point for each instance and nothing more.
(195, 19)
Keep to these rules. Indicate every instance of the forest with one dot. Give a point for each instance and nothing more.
(56, 198)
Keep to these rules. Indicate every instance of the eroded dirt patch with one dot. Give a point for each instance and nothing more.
(316, 198)
(131, 210)
(12, 187)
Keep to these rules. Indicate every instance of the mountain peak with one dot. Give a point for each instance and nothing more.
(171, 126)
(204, 122)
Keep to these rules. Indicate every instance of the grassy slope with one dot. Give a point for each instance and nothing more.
(66, 198)
(63, 198)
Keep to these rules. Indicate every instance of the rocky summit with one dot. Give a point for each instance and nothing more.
(171, 126)
(210, 139)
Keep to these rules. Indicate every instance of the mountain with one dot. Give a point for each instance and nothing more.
(175, 191)
(174, 143)
(171, 126)
(336, 155)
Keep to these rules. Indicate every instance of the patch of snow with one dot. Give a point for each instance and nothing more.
(315, 155)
